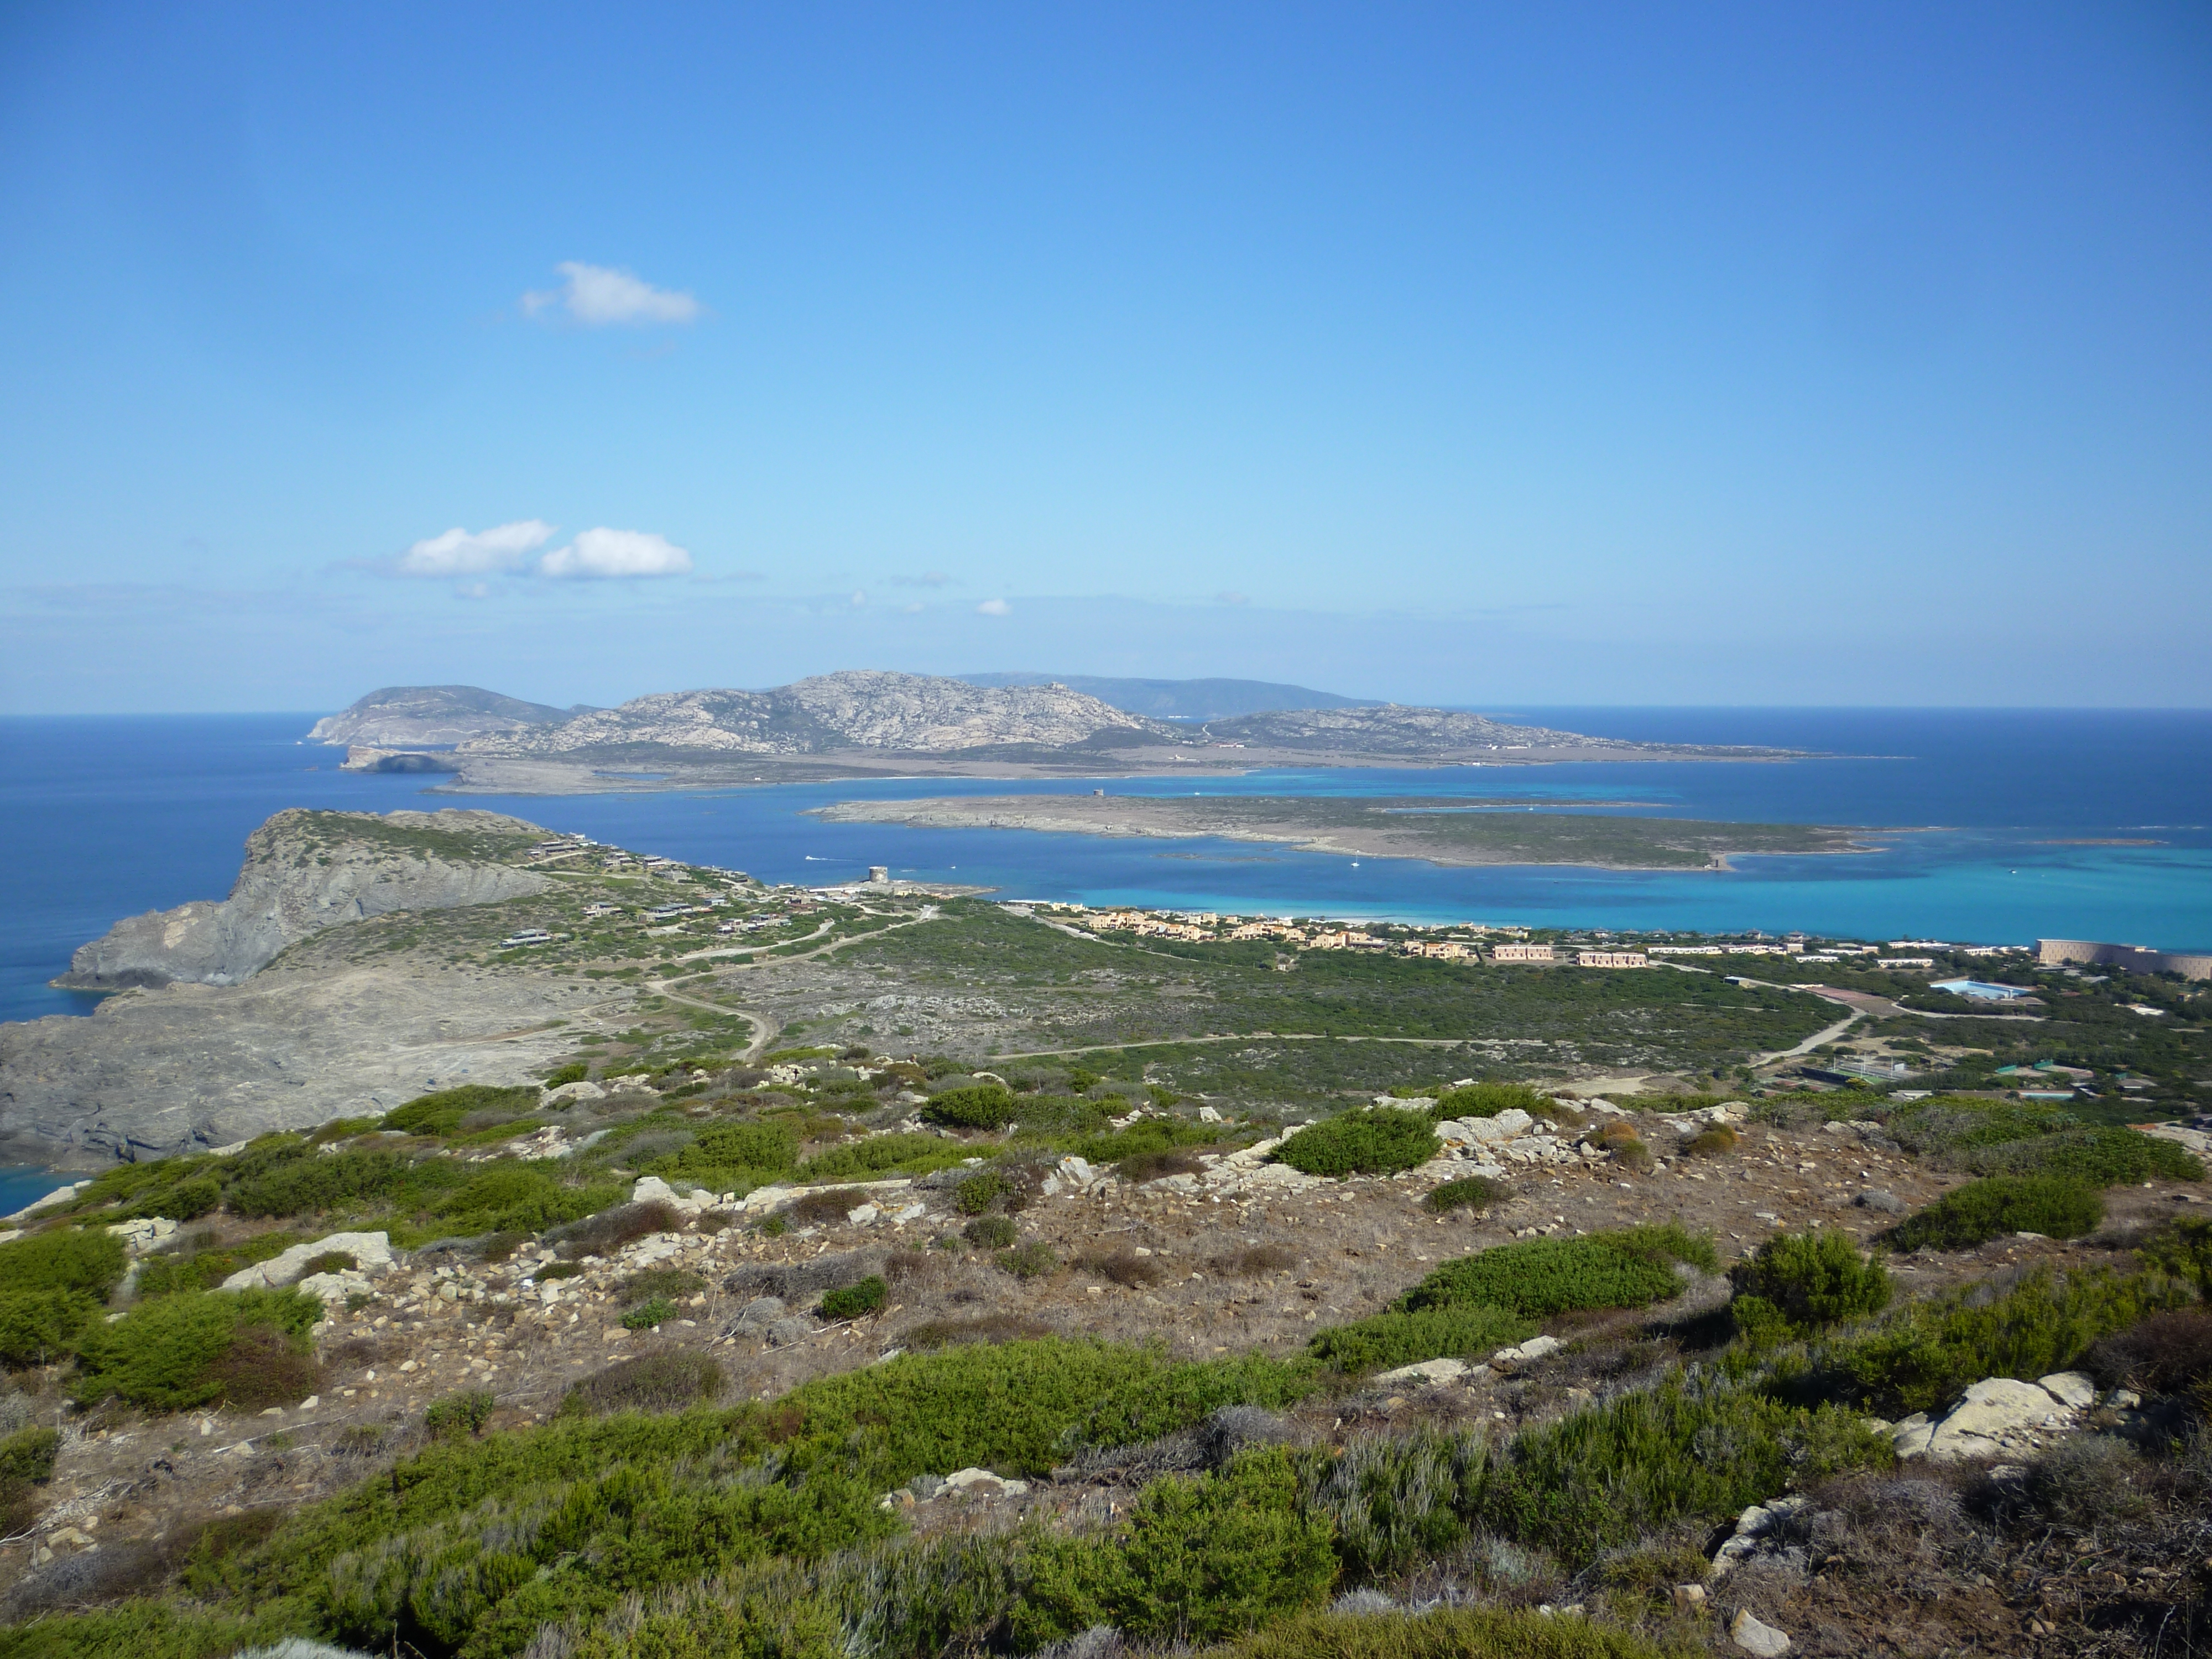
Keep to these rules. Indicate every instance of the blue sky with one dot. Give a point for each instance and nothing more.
(1704, 354)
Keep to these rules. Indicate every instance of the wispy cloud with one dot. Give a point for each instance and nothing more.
(597, 296)
(992, 608)
(461, 552)
(610, 554)
(927, 579)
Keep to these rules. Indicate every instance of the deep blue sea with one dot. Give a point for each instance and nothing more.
(103, 817)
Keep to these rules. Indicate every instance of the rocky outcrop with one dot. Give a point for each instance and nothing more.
(856, 709)
(305, 871)
(400, 715)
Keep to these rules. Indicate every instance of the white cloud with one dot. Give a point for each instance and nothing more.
(860, 598)
(473, 590)
(992, 608)
(603, 552)
(596, 296)
(461, 552)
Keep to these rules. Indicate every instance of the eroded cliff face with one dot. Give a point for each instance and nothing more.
(306, 871)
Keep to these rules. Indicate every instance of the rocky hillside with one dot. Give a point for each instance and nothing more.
(854, 709)
(306, 871)
(431, 714)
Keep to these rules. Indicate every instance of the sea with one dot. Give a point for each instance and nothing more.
(1989, 827)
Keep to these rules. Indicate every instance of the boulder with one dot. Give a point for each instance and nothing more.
(1535, 1348)
(1992, 1411)
(139, 1237)
(372, 1251)
(1881, 1201)
(2072, 1389)
(1757, 1637)
(1428, 1370)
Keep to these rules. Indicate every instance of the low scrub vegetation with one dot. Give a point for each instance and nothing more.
(856, 1301)
(649, 1382)
(1472, 1192)
(1536, 1277)
(1380, 1141)
(1398, 1338)
(2054, 1206)
(1810, 1279)
(245, 1347)
(1488, 1100)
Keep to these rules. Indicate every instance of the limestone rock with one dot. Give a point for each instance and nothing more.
(1757, 1637)
(1428, 1370)
(2072, 1389)
(139, 1237)
(372, 1251)
(1882, 1202)
(1992, 1411)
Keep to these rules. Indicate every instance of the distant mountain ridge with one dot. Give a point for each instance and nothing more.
(1183, 700)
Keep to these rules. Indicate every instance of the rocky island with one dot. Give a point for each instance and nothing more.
(874, 724)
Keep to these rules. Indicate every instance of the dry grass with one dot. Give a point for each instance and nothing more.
(987, 1328)
(1251, 1262)
(1122, 1266)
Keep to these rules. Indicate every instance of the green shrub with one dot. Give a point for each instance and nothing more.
(2184, 1249)
(1473, 1192)
(142, 1629)
(1381, 1140)
(1814, 1278)
(442, 1113)
(87, 1262)
(979, 1191)
(884, 1155)
(1447, 1633)
(205, 1270)
(188, 1201)
(512, 1195)
(167, 1354)
(330, 1262)
(37, 1328)
(1172, 1397)
(1982, 1209)
(1536, 1277)
(459, 1414)
(1390, 1339)
(1951, 1124)
(856, 1301)
(2100, 1158)
(1921, 1356)
(1715, 1142)
(310, 1180)
(1031, 1260)
(648, 1315)
(577, 1070)
(731, 1155)
(26, 1462)
(1488, 1100)
(1693, 1446)
(978, 1106)
(1197, 1561)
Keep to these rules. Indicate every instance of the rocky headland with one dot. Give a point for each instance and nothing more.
(402, 715)
(306, 871)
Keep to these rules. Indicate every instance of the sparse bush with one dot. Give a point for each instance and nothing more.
(1381, 1140)
(459, 1414)
(1715, 1142)
(856, 1301)
(331, 1262)
(2184, 1249)
(1252, 1260)
(167, 1354)
(1633, 1155)
(884, 1155)
(649, 1382)
(554, 1270)
(1390, 1339)
(1473, 1192)
(647, 1316)
(1536, 1277)
(188, 1201)
(990, 1233)
(1139, 1168)
(664, 1282)
(27, 1461)
(1814, 1278)
(2085, 1482)
(575, 1071)
(611, 1228)
(1488, 1100)
(263, 1366)
(1198, 1560)
(1982, 1209)
(825, 1208)
(1031, 1260)
(1122, 1266)
(1445, 1633)
(2166, 1353)
(978, 1106)
(985, 1328)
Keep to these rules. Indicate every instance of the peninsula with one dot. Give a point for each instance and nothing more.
(1453, 831)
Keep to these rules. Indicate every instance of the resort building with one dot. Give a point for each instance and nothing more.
(1521, 953)
(1612, 959)
(2136, 958)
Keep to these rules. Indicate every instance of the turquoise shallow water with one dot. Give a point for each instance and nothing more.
(103, 817)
